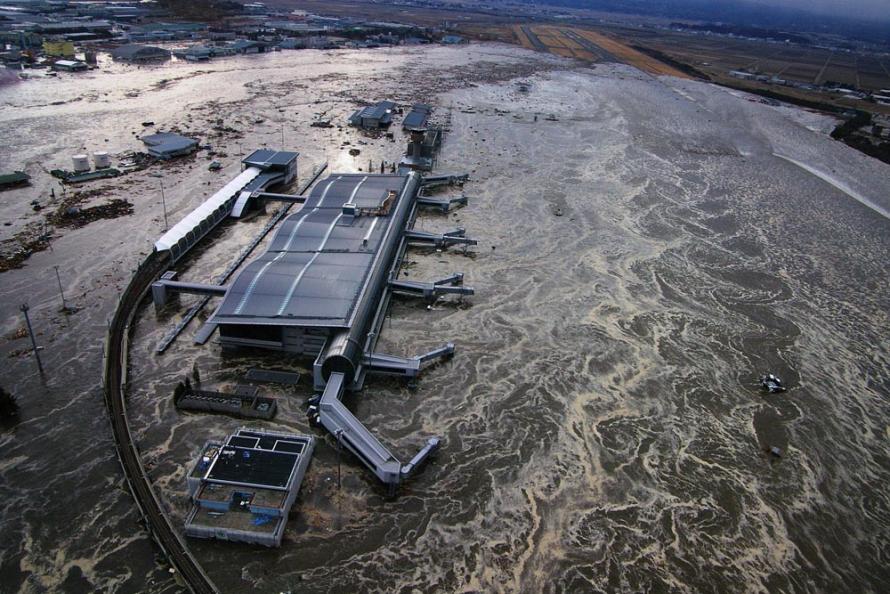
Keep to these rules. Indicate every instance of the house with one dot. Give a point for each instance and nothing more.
(137, 53)
(373, 116)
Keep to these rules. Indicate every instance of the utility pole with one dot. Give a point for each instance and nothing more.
(61, 293)
(164, 204)
(24, 309)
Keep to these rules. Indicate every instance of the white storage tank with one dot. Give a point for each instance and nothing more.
(81, 163)
(101, 160)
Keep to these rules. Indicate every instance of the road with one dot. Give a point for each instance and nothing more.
(156, 519)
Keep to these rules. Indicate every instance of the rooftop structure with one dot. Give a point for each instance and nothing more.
(243, 489)
(245, 402)
(315, 268)
(166, 145)
(262, 168)
(373, 116)
(422, 149)
(417, 117)
(139, 53)
(99, 27)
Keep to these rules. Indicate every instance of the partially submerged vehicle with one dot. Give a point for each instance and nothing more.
(772, 384)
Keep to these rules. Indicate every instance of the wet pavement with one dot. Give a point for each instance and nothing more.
(645, 253)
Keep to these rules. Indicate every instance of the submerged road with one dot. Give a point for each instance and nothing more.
(115, 376)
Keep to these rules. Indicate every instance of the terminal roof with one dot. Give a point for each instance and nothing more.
(317, 264)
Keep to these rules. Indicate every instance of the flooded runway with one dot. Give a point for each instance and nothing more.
(645, 253)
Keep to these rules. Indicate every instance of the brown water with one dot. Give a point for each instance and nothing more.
(641, 261)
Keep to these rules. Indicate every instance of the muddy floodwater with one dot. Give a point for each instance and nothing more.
(647, 248)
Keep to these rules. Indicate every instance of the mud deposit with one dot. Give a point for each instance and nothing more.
(644, 254)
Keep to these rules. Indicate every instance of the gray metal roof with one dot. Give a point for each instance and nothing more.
(382, 111)
(317, 264)
(164, 143)
(264, 158)
(417, 117)
(137, 51)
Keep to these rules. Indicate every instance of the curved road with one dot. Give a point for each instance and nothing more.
(115, 380)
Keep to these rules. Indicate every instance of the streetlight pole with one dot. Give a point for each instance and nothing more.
(61, 292)
(339, 450)
(24, 309)
(164, 204)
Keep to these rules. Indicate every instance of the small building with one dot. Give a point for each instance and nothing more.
(293, 43)
(422, 148)
(70, 65)
(373, 117)
(243, 489)
(166, 145)
(197, 53)
(58, 48)
(137, 53)
(417, 117)
(246, 46)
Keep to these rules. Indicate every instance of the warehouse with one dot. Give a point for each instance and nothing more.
(139, 53)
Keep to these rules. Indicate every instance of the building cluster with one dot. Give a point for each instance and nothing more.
(882, 96)
(66, 36)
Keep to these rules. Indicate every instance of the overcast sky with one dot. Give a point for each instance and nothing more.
(862, 9)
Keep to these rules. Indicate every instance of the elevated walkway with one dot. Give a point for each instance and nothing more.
(263, 168)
